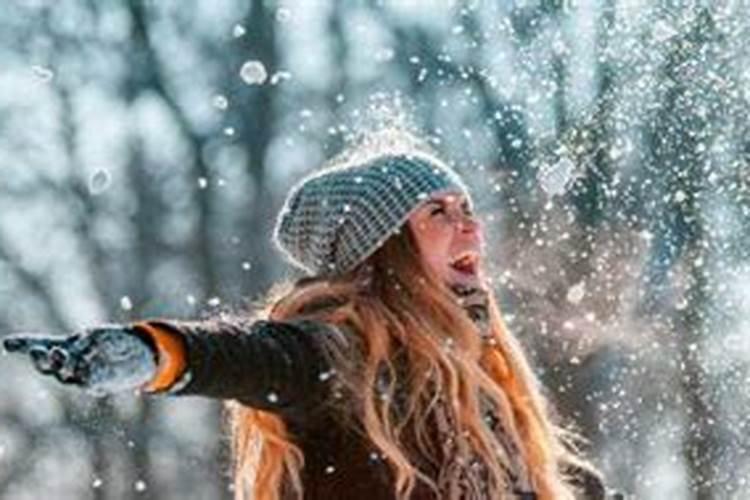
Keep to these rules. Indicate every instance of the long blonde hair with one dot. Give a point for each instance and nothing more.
(402, 306)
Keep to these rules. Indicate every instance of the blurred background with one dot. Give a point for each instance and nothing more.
(146, 146)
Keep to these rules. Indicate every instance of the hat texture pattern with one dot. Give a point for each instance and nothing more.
(333, 219)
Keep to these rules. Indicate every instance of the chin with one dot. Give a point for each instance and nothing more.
(467, 279)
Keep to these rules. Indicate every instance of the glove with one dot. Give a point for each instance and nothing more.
(101, 360)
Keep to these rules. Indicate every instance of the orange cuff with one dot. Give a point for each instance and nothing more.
(171, 357)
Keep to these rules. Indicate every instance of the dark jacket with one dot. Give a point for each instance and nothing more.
(284, 367)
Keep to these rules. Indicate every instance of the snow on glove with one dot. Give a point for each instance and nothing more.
(101, 360)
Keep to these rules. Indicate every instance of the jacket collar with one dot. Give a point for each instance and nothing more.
(475, 301)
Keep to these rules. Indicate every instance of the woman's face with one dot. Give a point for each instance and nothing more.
(449, 238)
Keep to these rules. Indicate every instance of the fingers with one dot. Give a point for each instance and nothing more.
(49, 355)
(43, 361)
(24, 342)
(69, 366)
(17, 344)
(58, 362)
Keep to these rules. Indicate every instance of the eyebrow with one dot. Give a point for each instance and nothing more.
(442, 202)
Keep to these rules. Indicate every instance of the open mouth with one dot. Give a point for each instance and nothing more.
(466, 263)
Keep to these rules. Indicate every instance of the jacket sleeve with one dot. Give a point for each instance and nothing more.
(280, 366)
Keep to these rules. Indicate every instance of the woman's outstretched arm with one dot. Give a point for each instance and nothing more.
(282, 366)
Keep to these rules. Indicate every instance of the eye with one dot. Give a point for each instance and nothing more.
(437, 210)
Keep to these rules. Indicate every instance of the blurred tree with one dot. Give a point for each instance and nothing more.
(142, 173)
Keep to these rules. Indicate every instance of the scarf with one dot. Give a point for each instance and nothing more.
(475, 301)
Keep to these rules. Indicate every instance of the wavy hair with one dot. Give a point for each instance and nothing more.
(393, 304)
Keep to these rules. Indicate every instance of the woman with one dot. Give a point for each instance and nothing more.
(385, 373)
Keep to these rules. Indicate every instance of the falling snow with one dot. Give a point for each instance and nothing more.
(253, 73)
(220, 102)
(99, 181)
(605, 142)
(125, 303)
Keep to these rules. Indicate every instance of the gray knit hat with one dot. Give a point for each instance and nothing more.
(333, 219)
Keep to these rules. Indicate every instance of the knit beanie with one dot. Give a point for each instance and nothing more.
(334, 219)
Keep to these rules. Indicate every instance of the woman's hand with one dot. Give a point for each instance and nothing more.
(101, 360)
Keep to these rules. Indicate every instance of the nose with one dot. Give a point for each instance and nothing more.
(467, 223)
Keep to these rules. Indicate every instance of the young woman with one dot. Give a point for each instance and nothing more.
(385, 373)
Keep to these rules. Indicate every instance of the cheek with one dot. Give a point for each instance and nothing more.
(432, 235)
(434, 243)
